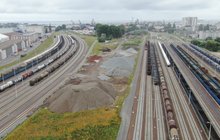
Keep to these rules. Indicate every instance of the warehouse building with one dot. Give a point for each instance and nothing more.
(12, 47)
(36, 29)
(30, 37)
(3, 38)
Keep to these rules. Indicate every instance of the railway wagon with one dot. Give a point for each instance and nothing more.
(164, 55)
(35, 70)
(33, 81)
(201, 76)
(174, 134)
(171, 123)
(32, 61)
(52, 69)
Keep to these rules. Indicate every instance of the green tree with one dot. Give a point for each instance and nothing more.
(208, 38)
(122, 29)
(212, 45)
(63, 27)
(217, 39)
(196, 42)
(58, 28)
(111, 31)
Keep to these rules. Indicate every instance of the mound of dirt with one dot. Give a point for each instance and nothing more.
(94, 59)
(74, 98)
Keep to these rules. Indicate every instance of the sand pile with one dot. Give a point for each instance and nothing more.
(87, 95)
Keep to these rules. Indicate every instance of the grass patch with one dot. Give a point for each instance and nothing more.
(47, 125)
(43, 46)
(88, 39)
(100, 132)
(133, 42)
(113, 44)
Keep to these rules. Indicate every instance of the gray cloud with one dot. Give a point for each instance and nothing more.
(106, 10)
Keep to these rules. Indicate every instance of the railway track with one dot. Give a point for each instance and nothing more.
(7, 96)
(140, 116)
(149, 122)
(189, 127)
(211, 70)
(35, 66)
(149, 109)
(134, 98)
(55, 46)
(210, 107)
(14, 103)
(39, 92)
(159, 115)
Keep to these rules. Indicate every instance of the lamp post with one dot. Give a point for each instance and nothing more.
(16, 91)
(210, 128)
(190, 92)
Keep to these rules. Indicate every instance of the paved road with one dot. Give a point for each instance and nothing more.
(129, 106)
(32, 97)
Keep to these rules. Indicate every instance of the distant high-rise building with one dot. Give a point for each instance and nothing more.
(190, 22)
(93, 22)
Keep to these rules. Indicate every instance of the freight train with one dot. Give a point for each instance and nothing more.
(33, 61)
(147, 47)
(207, 54)
(209, 59)
(152, 60)
(37, 69)
(154, 70)
(211, 85)
(51, 70)
(170, 117)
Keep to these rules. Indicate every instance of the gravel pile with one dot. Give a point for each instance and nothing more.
(128, 52)
(87, 95)
(119, 66)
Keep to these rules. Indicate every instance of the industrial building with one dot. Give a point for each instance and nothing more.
(190, 22)
(14, 42)
(30, 37)
(3, 38)
(12, 47)
(36, 29)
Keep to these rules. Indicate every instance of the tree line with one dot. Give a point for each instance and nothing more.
(62, 27)
(107, 32)
(209, 44)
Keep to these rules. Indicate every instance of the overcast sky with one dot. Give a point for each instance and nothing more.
(103, 10)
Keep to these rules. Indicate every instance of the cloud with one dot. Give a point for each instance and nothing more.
(107, 10)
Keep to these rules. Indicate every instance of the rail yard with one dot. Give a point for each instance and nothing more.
(177, 93)
(23, 89)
